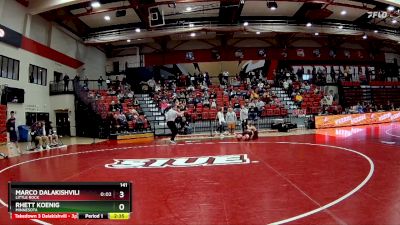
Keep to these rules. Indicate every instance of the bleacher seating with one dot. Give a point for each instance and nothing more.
(384, 83)
(379, 93)
(354, 95)
(200, 112)
(100, 102)
(382, 95)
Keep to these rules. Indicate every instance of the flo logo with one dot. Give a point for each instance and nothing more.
(383, 14)
(220, 160)
(377, 14)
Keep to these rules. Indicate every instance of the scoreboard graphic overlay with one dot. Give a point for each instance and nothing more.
(76, 200)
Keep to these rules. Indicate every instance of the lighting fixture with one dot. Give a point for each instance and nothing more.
(365, 36)
(107, 18)
(95, 4)
(316, 33)
(245, 24)
(272, 5)
(191, 25)
(137, 30)
(188, 9)
(375, 31)
(343, 12)
(394, 21)
(129, 40)
(390, 8)
(308, 24)
(340, 27)
(192, 34)
(258, 32)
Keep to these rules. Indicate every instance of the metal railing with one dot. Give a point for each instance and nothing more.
(209, 127)
(102, 130)
(62, 87)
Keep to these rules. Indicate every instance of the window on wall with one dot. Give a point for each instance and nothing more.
(9, 68)
(37, 75)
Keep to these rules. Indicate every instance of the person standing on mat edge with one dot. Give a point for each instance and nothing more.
(231, 120)
(10, 125)
(244, 116)
(221, 121)
(170, 117)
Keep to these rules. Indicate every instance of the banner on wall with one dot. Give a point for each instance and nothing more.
(333, 121)
(347, 54)
(317, 53)
(300, 52)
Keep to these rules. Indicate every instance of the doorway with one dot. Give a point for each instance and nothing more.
(62, 123)
(57, 76)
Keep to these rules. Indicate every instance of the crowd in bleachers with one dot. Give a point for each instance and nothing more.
(347, 74)
(329, 75)
(201, 100)
(117, 104)
(305, 94)
(367, 107)
(310, 98)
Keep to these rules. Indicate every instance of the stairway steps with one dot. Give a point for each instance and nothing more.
(162, 132)
(149, 109)
(141, 95)
(148, 114)
(160, 126)
(153, 113)
(159, 118)
(285, 98)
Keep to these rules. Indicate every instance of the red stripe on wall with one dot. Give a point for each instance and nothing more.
(44, 51)
(23, 2)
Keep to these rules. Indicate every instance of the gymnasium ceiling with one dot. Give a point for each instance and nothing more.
(221, 20)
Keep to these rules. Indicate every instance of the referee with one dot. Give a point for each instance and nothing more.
(170, 117)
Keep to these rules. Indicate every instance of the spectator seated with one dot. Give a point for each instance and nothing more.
(118, 107)
(201, 100)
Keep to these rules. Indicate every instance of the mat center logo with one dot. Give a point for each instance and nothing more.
(220, 160)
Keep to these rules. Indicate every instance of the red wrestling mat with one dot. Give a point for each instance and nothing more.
(309, 179)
